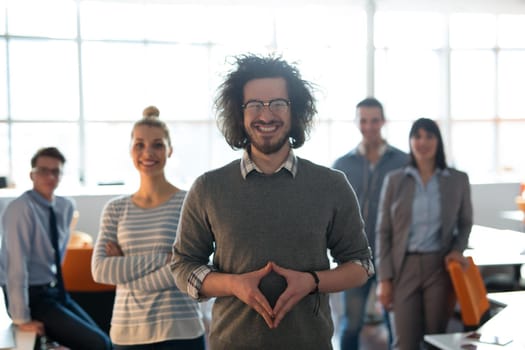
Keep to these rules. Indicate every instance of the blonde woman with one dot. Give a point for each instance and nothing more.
(133, 251)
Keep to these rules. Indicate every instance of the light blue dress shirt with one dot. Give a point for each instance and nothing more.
(26, 253)
(426, 213)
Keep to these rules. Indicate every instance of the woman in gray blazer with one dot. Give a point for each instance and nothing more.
(424, 220)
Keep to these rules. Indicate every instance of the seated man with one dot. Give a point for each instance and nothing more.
(36, 232)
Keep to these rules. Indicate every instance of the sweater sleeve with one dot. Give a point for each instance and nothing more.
(347, 239)
(193, 243)
(119, 269)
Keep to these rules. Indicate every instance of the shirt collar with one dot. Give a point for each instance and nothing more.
(248, 165)
(411, 170)
(40, 199)
(382, 149)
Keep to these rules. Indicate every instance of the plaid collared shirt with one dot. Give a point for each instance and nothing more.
(248, 165)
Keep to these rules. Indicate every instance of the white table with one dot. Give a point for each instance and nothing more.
(493, 247)
(24, 340)
(516, 215)
(509, 322)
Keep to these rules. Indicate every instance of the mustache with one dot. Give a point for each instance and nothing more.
(271, 122)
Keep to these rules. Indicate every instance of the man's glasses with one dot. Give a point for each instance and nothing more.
(43, 171)
(255, 107)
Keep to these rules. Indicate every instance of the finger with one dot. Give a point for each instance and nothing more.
(268, 319)
(261, 300)
(285, 306)
(383, 300)
(265, 270)
(262, 310)
(280, 270)
(282, 300)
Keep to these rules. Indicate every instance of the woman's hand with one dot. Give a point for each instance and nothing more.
(456, 256)
(113, 249)
(385, 294)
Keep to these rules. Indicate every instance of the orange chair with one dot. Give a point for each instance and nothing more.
(76, 271)
(95, 298)
(79, 239)
(471, 294)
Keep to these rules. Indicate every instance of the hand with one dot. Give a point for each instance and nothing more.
(246, 288)
(385, 294)
(454, 255)
(113, 249)
(299, 283)
(32, 326)
(168, 258)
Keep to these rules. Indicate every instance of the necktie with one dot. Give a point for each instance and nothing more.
(54, 241)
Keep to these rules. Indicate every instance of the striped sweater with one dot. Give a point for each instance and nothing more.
(148, 306)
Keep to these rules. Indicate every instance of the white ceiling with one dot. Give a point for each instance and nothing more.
(491, 6)
(485, 6)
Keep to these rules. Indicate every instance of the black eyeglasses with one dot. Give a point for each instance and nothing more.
(255, 107)
(43, 171)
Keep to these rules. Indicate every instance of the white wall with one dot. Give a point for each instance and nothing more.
(491, 200)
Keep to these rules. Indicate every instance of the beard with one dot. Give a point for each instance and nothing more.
(266, 145)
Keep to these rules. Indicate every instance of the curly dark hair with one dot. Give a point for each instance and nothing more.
(230, 98)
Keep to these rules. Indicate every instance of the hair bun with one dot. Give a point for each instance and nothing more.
(151, 112)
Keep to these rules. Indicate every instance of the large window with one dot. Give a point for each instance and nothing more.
(77, 74)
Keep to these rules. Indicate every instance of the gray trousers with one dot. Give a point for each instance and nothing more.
(423, 300)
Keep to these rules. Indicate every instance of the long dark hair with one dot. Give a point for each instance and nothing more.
(431, 127)
(230, 98)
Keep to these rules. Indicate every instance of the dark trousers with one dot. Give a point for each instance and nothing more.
(177, 344)
(64, 321)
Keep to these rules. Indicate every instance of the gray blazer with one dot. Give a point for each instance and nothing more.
(395, 217)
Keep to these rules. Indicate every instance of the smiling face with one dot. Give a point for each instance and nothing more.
(370, 121)
(268, 131)
(46, 175)
(423, 145)
(149, 149)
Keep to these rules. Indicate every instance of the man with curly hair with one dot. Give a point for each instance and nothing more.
(269, 219)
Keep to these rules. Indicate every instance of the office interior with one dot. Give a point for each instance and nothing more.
(76, 74)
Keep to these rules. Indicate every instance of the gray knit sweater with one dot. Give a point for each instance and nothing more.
(246, 223)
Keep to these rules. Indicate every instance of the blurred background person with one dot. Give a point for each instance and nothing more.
(36, 229)
(365, 167)
(424, 220)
